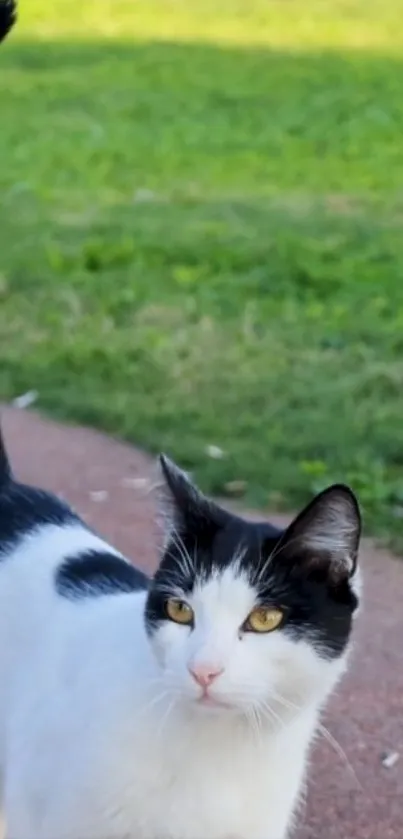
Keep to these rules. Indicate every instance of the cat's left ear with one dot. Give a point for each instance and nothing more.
(326, 535)
(183, 507)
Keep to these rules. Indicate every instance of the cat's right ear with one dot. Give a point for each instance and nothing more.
(326, 535)
(182, 506)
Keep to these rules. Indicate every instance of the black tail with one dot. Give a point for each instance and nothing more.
(8, 17)
(5, 468)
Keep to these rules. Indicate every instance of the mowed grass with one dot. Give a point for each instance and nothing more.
(201, 235)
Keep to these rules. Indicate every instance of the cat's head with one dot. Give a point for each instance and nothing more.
(246, 617)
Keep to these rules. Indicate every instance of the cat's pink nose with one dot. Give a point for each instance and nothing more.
(205, 674)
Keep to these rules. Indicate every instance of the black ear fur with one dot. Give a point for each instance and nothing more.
(326, 534)
(183, 507)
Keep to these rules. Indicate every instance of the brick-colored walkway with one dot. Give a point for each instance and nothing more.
(349, 798)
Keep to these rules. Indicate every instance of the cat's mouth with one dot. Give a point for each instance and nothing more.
(206, 700)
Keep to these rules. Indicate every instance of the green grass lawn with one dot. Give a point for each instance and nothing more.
(201, 235)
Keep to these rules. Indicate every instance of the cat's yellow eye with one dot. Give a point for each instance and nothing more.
(179, 611)
(263, 619)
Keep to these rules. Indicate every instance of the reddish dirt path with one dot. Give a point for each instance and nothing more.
(366, 717)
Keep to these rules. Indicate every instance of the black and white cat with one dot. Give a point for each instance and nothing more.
(180, 707)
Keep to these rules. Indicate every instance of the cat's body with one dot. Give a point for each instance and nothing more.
(162, 709)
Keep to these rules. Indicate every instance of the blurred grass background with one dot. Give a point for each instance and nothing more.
(200, 235)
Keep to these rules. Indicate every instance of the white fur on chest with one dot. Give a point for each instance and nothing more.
(116, 760)
(149, 793)
(93, 742)
(217, 785)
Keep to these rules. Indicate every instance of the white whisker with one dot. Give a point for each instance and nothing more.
(326, 734)
(165, 716)
(340, 753)
(184, 560)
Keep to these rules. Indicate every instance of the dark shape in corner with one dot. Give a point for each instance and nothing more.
(5, 468)
(8, 17)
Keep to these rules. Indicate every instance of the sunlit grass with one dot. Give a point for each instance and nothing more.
(312, 24)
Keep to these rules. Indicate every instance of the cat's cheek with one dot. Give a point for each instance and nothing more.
(170, 645)
(302, 673)
(164, 642)
(250, 675)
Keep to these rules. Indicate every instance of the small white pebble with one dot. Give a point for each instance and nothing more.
(135, 483)
(389, 759)
(26, 399)
(215, 452)
(99, 495)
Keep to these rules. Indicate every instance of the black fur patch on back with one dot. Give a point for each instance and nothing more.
(94, 573)
(23, 508)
